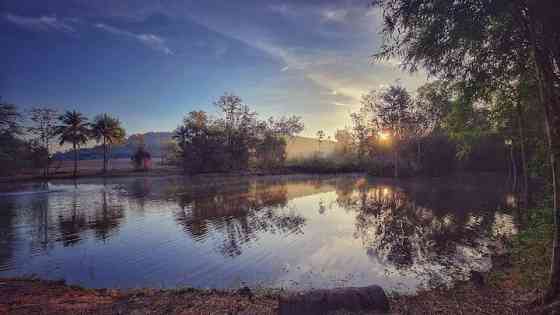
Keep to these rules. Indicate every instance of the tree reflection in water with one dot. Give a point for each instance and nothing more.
(343, 230)
(107, 217)
(253, 207)
(408, 237)
(104, 220)
(71, 226)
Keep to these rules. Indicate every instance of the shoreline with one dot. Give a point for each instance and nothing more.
(156, 172)
(169, 171)
(25, 296)
(503, 290)
(160, 172)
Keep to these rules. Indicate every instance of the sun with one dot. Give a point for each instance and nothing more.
(384, 136)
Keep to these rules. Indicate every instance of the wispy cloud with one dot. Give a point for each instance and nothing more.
(282, 9)
(334, 15)
(40, 24)
(152, 41)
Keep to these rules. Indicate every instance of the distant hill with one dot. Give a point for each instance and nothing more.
(153, 142)
(297, 147)
(301, 147)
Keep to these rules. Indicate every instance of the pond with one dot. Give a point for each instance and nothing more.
(292, 232)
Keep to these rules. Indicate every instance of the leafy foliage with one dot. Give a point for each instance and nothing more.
(231, 141)
(108, 130)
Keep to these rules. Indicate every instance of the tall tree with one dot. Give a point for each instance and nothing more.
(74, 129)
(320, 138)
(433, 101)
(393, 115)
(344, 143)
(13, 149)
(43, 127)
(197, 142)
(107, 130)
(484, 42)
(286, 126)
(234, 114)
(361, 131)
(10, 119)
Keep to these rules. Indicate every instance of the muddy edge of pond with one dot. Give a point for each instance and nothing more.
(154, 173)
(25, 296)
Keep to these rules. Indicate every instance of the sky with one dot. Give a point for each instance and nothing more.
(150, 62)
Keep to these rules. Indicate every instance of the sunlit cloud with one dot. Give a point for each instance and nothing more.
(150, 40)
(311, 58)
(41, 24)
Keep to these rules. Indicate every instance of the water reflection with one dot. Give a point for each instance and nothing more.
(70, 226)
(103, 215)
(277, 231)
(410, 238)
(240, 217)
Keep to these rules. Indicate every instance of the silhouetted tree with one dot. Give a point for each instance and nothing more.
(393, 114)
(320, 138)
(108, 130)
(10, 119)
(486, 43)
(232, 140)
(74, 129)
(43, 127)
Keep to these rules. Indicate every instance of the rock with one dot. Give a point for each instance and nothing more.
(323, 301)
(245, 291)
(477, 278)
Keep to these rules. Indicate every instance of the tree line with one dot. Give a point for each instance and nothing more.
(27, 139)
(233, 140)
(438, 130)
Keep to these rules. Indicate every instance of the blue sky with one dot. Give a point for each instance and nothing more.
(150, 62)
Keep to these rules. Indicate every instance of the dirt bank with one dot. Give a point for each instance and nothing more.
(51, 297)
(22, 296)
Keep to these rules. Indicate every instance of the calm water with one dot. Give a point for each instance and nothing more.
(292, 232)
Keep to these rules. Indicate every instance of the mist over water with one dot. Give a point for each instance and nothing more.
(294, 232)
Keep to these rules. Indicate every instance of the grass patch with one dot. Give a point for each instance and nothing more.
(530, 253)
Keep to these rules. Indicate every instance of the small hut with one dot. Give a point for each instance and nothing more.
(142, 159)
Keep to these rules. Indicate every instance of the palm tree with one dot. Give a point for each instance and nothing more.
(74, 129)
(107, 129)
(181, 135)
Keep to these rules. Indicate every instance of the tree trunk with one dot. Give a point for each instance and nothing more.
(419, 152)
(78, 159)
(513, 167)
(75, 159)
(525, 187)
(396, 161)
(104, 155)
(553, 134)
(47, 173)
(551, 105)
(109, 156)
(544, 61)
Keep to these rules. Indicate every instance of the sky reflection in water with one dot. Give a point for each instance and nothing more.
(293, 231)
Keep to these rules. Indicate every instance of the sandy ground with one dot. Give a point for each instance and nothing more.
(22, 296)
(49, 297)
